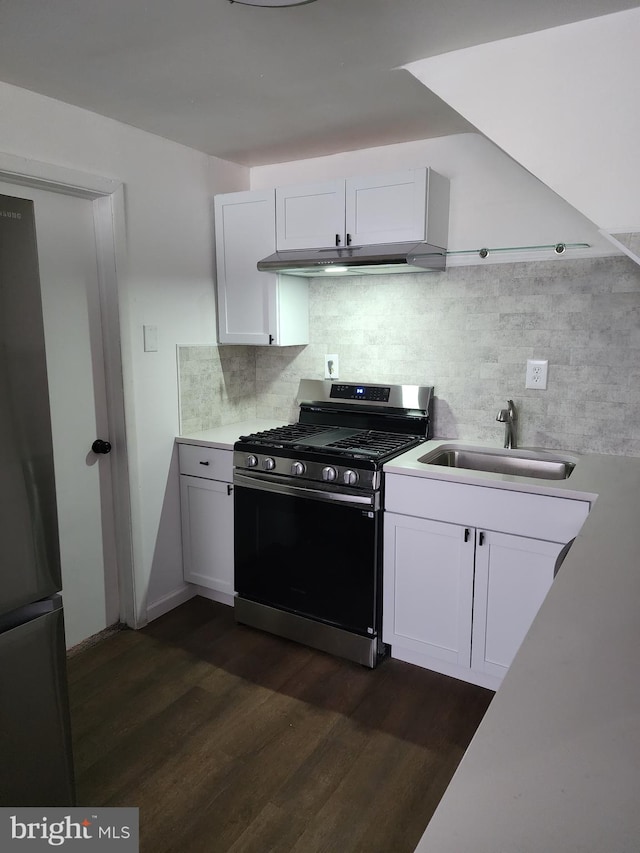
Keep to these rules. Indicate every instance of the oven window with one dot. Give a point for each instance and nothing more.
(312, 558)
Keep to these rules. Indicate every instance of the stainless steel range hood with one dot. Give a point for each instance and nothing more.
(357, 260)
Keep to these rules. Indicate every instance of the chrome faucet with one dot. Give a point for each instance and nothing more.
(508, 417)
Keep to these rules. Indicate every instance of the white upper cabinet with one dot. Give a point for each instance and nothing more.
(254, 307)
(394, 208)
(310, 216)
(386, 209)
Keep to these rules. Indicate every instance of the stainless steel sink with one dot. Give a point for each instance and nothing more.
(545, 465)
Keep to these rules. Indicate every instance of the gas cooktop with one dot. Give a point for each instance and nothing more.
(340, 441)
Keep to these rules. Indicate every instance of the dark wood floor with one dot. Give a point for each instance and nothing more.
(229, 739)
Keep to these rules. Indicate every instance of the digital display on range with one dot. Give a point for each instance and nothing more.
(370, 393)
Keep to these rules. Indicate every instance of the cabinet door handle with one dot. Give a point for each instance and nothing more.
(348, 239)
(271, 339)
(467, 533)
(481, 538)
(337, 239)
(229, 489)
(204, 463)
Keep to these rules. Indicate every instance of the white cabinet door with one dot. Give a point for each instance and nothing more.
(310, 215)
(386, 208)
(428, 588)
(245, 233)
(513, 576)
(207, 533)
(254, 307)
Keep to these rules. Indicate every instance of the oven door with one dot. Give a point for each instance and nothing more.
(311, 551)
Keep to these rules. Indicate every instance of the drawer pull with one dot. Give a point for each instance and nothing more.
(205, 463)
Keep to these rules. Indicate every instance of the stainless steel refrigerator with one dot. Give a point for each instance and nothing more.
(36, 767)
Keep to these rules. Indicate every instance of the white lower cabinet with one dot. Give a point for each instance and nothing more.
(428, 588)
(460, 598)
(513, 575)
(206, 505)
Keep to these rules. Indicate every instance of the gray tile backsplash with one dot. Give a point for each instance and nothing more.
(216, 386)
(468, 332)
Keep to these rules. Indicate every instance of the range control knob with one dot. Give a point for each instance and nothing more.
(329, 473)
(251, 461)
(298, 468)
(350, 478)
(268, 463)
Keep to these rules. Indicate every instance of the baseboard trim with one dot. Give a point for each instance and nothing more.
(214, 595)
(169, 602)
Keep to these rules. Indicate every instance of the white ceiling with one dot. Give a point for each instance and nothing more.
(258, 85)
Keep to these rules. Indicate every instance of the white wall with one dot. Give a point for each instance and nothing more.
(168, 282)
(494, 201)
(564, 102)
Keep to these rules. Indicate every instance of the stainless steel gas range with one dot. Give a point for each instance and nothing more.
(308, 514)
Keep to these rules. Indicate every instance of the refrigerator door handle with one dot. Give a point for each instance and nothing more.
(29, 612)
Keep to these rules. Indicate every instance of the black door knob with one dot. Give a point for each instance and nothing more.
(100, 446)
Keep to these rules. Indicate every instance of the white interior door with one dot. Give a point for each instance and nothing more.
(75, 365)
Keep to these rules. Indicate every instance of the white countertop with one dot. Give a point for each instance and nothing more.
(555, 764)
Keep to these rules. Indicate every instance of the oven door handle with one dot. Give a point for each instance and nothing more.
(371, 501)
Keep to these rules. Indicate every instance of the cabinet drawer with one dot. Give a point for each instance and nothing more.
(211, 463)
(522, 513)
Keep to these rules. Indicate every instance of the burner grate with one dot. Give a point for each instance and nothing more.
(287, 434)
(374, 443)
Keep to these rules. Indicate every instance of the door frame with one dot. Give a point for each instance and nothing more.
(107, 198)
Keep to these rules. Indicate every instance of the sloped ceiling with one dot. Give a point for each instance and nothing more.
(565, 104)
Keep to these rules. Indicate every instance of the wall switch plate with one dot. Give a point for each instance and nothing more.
(331, 367)
(536, 374)
(150, 334)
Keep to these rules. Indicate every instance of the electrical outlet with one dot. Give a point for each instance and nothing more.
(331, 367)
(536, 374)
